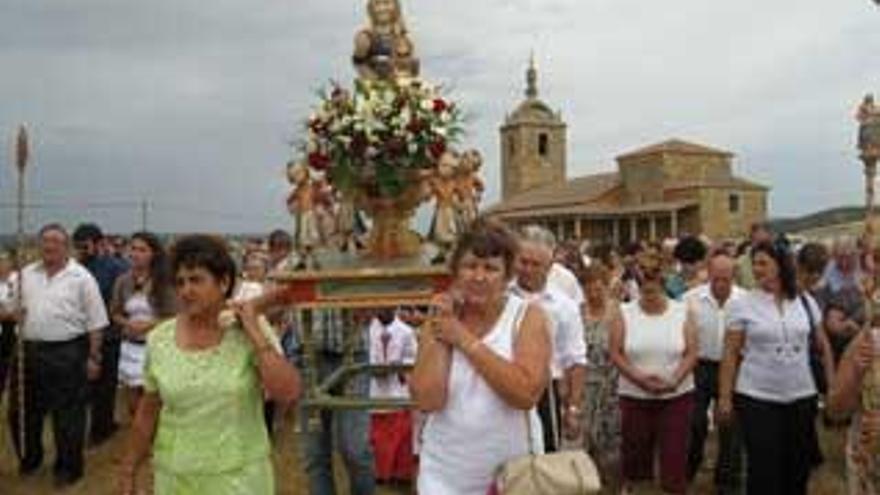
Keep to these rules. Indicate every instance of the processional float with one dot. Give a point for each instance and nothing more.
(371, 156)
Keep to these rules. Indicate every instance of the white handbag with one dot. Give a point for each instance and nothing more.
(570, 472)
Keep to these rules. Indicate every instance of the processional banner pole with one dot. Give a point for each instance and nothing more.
(22, 156)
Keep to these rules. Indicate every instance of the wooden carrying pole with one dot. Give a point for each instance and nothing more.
(22, 155)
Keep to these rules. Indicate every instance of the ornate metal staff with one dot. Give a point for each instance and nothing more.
(22, 154)
(868, 116)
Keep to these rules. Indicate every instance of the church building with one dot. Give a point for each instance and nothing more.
(665, 189)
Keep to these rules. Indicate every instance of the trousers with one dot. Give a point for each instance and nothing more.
(55, 384)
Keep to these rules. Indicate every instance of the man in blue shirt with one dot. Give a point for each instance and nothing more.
(105, 269)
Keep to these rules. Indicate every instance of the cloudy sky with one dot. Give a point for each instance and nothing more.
(190, 105)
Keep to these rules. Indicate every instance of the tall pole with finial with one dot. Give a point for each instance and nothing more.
(868, 116)
(22, 156)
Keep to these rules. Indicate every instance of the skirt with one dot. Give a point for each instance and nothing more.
(131, 364)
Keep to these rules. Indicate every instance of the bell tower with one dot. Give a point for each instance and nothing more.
(533, 143)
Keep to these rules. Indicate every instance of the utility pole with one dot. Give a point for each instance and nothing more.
(145, 211)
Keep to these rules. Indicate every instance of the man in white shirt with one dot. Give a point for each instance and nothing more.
(708, 305)
(568, 365)
(564, 280)
(63, 317)
(8, 303)
(391, 342)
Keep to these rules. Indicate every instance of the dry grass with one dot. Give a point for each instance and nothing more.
(101, 464)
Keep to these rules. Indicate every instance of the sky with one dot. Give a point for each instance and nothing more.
(190, 106)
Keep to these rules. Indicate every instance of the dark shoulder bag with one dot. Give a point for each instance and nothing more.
(817, 369)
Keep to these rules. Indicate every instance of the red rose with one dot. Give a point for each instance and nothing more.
(440, 106)
(437, 148)
(319, 161)
(415, 126)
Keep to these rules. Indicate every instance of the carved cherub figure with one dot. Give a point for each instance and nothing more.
(868, 110)
(445, 226)
(470, 187)
(868, 116)
(325, 206)
(349, 226)
(301, 204)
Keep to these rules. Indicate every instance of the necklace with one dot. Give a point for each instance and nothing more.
(786, 343)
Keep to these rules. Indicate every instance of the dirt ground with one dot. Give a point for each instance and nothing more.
(102, 462)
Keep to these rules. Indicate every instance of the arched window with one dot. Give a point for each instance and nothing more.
(543, 144)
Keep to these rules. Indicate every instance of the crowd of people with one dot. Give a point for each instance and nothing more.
(632, 354)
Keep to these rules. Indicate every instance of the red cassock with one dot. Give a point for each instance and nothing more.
(391, 436)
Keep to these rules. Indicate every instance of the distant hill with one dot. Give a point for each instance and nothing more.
(845, 216)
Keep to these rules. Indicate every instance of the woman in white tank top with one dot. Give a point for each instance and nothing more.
(654, 346)
(483, 363)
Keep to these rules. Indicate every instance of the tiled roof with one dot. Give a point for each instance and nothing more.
(678, 146)
(732, 183)
(533, 110)
(597, 209)
(577, 191)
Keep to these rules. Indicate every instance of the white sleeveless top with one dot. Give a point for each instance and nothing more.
(654, 344)
(476, 431)
(139, 308)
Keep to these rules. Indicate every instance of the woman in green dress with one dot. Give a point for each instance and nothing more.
(205, 377)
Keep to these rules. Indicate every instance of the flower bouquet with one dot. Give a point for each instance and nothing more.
(377, 145)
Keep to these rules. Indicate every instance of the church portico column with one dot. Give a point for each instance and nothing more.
(633, 229)
(653, 227)
(674, 223)
(615, 232)
(577, 228)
